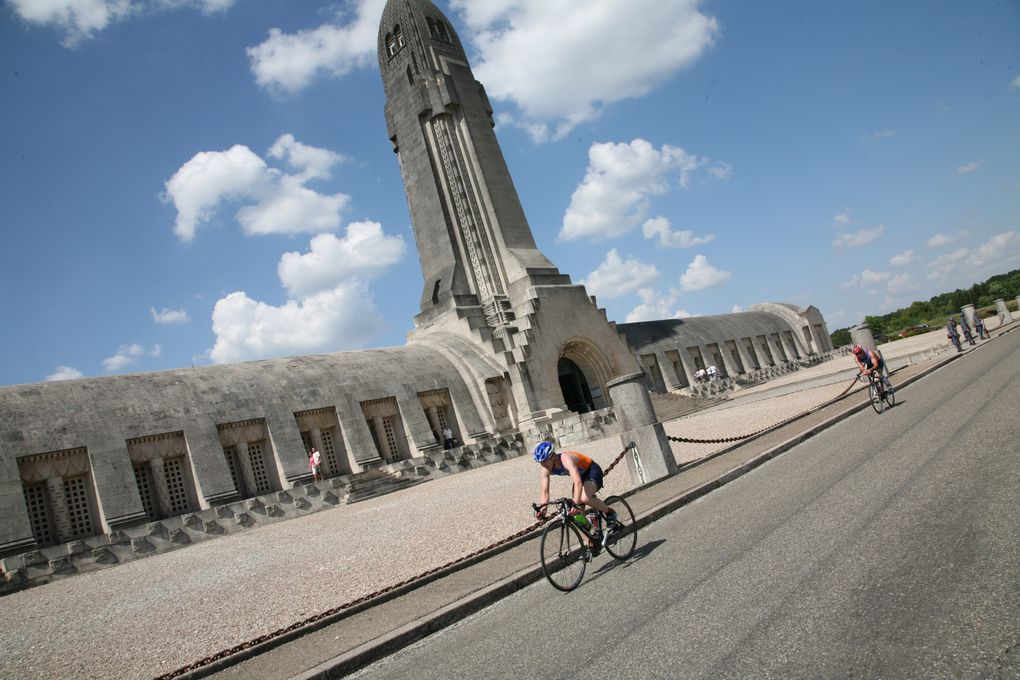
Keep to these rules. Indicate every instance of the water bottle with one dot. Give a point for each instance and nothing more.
(581, 520)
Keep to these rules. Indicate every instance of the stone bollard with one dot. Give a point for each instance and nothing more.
(650, 456)
(861, 335)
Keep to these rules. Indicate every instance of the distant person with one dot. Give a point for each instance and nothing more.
(953, 333)
(712, 372)
(448, 442)
(965, 328)
(315, 464)
(979, 326)
(700, 375)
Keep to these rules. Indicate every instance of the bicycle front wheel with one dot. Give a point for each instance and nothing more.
(876, 398)
(890, 395)
(564, 555)
(621, 542)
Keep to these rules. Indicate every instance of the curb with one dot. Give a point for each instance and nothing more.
(372, 651)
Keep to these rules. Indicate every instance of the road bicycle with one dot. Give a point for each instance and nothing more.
(880, 391)
(570, 541)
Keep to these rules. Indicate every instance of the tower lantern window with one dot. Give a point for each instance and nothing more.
(394, 41)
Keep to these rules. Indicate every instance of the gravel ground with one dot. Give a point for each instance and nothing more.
(153, 615)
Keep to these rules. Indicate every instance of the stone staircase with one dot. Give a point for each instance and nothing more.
(373, 483)
(672, 406)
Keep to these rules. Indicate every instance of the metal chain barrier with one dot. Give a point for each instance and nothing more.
(727, 440)
(364, 598)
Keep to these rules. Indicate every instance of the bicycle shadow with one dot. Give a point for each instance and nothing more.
(640, 553)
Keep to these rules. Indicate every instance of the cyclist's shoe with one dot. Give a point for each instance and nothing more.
(612, 522)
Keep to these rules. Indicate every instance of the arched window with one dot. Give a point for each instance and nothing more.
(444, 33)
(394, 41)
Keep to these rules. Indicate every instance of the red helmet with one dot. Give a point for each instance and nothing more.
(857, 349)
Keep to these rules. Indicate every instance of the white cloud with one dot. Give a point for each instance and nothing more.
(156, 350)
(364, 252)
(700, 274)
(620, 179)
(125, 356)
(901, 283)
(329, 321)
(843, 218)
(998, 252)
(1015, 85)
(903, 259)
(654, 306)
(969, 167)
(944, 265)
(616, 277)
(659, 226)
(866, 279)
(169, 316)
(590, 54)
(64, 373)
(278, 203)
(80, 20)
(1003, 248)
(736, 309)
(878, 135)
(290, 62)
(939, 240)
(858, 238)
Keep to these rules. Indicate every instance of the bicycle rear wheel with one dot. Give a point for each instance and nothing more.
(876, 397)
(564, 555)
(621, 542)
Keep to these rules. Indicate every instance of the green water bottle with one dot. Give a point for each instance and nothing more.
(581, 520)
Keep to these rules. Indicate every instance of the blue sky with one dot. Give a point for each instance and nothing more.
(185, 182)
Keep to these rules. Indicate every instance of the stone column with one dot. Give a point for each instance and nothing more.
(688, 364)
(861, 335)
(651, 457)
(669, 376)
(58, 501)
(745, 357)
(158, 475)
(244, 460)
(778, 353)
(1018, 305)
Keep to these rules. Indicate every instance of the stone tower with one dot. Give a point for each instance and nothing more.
(532, 340)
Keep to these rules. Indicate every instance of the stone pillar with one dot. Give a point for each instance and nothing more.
(687, 362)
(651, 457)
(861, 335)
(1018, 305)
(745, 356)
(669, 376)
(158, 475)
(58, 501)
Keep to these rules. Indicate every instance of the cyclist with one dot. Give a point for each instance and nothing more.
(585, 473)
(868, 361)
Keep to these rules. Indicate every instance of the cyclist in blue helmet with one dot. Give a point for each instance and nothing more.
(585, 474)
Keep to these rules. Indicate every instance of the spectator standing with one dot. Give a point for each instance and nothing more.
(953, 334)
(448, 442)
(979, 326)
(315, 464)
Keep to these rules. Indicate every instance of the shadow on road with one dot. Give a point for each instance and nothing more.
(640, 553)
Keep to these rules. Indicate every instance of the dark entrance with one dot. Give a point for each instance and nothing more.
(575, 387)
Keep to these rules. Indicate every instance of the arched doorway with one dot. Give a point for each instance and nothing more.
(574, 385)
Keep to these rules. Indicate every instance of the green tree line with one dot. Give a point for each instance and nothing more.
(938, 309)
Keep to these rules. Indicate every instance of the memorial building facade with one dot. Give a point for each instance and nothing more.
(504, 344)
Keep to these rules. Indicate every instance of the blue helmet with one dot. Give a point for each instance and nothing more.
(543, 451)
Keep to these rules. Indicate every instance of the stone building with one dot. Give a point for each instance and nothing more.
(503, 343)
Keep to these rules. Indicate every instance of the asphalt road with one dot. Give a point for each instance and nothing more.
(885, 547)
